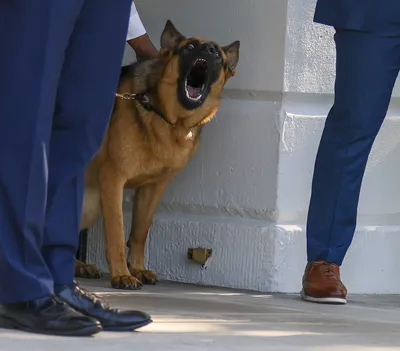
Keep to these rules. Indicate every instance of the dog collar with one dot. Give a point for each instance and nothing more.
(144, 100)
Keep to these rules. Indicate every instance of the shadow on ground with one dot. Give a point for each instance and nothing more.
(195, 318)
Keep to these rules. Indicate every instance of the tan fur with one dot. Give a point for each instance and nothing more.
(142, 151)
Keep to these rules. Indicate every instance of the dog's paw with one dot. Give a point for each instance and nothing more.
(145, 277)
(89, 271)
(126, 282)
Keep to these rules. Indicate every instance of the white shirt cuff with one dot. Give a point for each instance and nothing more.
(136, 27)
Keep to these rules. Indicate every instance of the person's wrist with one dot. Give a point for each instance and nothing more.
(143, 47)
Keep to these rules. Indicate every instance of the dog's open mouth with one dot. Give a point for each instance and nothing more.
(196, 81)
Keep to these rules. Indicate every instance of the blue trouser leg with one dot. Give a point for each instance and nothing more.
(84, 101)
(37, 40)
(33, 38)
(366, 69)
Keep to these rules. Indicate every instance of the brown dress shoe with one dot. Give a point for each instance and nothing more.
(322, 284)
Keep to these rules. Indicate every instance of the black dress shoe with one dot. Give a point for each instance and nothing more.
(91, 305)
(47, 316)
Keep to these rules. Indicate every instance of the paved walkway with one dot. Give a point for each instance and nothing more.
(200, 318)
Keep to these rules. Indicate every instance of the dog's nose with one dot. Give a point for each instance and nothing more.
(209, 49)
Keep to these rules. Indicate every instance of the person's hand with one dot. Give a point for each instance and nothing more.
(143, 47)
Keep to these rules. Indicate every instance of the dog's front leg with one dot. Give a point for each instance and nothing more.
(111, 195)
(146, 200)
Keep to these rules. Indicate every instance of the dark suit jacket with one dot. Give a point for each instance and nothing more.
(381, 16)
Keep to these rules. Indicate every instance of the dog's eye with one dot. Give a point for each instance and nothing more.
(190, 47)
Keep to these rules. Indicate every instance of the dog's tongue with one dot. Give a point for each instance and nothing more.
(193, 92)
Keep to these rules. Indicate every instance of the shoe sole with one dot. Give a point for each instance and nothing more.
(7, 323)
(126, 328)
(323, 300)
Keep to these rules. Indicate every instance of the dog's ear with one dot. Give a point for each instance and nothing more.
(232, 55)
(170, 37)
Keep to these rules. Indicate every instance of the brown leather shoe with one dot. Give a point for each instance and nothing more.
(322, 284)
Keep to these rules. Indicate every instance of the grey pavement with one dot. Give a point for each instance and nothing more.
(197, 318)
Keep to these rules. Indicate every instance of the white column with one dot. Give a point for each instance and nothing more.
(372, 264)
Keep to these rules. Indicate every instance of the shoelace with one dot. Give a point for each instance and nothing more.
(91, 297)
(328, 271)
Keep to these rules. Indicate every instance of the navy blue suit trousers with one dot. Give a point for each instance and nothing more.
(59, 69)
(367, 66)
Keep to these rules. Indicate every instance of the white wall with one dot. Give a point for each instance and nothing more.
(245, 194)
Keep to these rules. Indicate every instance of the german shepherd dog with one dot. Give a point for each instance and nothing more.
(160, 108)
